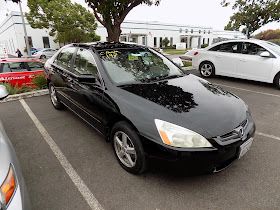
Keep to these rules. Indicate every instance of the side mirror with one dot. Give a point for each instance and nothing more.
(265, 54)
(87, 79)
(3, 92)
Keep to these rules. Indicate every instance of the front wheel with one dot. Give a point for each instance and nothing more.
(43, 57)
(128, 148)
(207, 69)
(55, 101)
(277, 80)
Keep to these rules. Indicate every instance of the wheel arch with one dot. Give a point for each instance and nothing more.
(276, 75)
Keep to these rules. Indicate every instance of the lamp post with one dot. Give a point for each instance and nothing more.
(24, 29)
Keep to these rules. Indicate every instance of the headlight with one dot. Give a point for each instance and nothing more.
(8, 188)
(178, 136)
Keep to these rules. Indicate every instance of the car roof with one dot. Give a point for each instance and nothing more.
(11, 60)
(108, 45)
(238, 40)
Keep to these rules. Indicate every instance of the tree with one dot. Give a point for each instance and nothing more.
(268, 35)
(68, 22)
(252, 14)
(165, 42)
(111, 13)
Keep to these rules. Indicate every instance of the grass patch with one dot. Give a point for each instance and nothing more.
(187, 63)
(174, 51)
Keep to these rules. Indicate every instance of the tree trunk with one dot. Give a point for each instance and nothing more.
(114, 32)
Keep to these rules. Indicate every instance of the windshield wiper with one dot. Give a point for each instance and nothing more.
(167, 77)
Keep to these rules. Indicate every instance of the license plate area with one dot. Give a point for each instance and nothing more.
(245, 147)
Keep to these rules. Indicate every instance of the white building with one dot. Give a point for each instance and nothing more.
(12, 35)
(146, 33)
(152, 33)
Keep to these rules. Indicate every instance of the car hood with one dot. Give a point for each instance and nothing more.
(191, 102)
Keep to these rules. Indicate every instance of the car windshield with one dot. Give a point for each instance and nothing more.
(274, 47)
(137, 65)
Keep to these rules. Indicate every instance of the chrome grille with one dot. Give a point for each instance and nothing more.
(235, 133)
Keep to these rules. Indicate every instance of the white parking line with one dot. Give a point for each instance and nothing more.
(86, 193)
(252, 91)
(267, 135)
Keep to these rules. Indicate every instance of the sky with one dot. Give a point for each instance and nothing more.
(207, 13)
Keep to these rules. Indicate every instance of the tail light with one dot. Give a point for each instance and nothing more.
(195, 53)
(180, 57)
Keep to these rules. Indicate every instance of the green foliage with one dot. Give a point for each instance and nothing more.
(40, 81)
(111, 13)
(204, 45)
(276, 41)
(187, 63)
(252, 14)
(165, 42)
(15, 90)
(68, 22)
(268, 35)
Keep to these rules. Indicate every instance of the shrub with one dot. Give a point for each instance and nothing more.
(40, 81)
(276, 41)
(204, 45)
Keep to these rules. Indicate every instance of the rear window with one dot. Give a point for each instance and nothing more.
(36, 66)
(231, 47)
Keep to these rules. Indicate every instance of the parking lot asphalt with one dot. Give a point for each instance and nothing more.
(253, 182)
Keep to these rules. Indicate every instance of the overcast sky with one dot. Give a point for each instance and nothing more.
(208, 13)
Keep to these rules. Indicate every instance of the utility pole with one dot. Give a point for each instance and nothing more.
(24, 29)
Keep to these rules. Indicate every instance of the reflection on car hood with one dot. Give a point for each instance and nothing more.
(208, 106)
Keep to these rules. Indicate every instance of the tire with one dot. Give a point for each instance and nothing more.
(207, 69)
(277, 80)
(55, 101)
(43, 57)
(128, 148)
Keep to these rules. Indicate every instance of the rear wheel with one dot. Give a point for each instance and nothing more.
(128, 148)
(207, 69)
(277, 80)
(55, 101)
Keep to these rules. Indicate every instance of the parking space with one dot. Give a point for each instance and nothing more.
(250, 183)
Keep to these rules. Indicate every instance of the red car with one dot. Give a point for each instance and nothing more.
(19, 71)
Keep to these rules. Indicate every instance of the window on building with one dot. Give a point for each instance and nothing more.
(155, 42)
(46, 42)
(143, 40)
(203, 41)
(199, 31)
(180, 30)
(30, 41)
(171, 41)
(160, 42)
(191, 30)
(186, 30)
(208, 41)
(204, 31)
(209, 32)
(183, 39)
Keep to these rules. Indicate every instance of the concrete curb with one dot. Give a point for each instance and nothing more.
(189, 68)
(25, 95)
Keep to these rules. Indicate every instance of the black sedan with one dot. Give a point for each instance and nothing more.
(148, 107)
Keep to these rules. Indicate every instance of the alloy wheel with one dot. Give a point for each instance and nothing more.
(206, 70)
(125, 149)
(53, 95)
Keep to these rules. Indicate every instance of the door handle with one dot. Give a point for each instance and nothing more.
(244, 60)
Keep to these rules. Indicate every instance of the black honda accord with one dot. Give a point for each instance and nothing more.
(149, 108)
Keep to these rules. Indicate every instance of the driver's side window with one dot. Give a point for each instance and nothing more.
(84, 63)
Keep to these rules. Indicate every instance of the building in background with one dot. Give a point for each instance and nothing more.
(12, 35)
(150, 34)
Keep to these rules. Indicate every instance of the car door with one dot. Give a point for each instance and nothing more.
(225, 58)
(87, 96)
(251, 65)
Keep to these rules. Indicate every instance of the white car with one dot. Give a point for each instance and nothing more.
(247, 59)
(44, 53)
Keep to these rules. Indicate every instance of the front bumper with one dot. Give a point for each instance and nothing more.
(201, 160)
